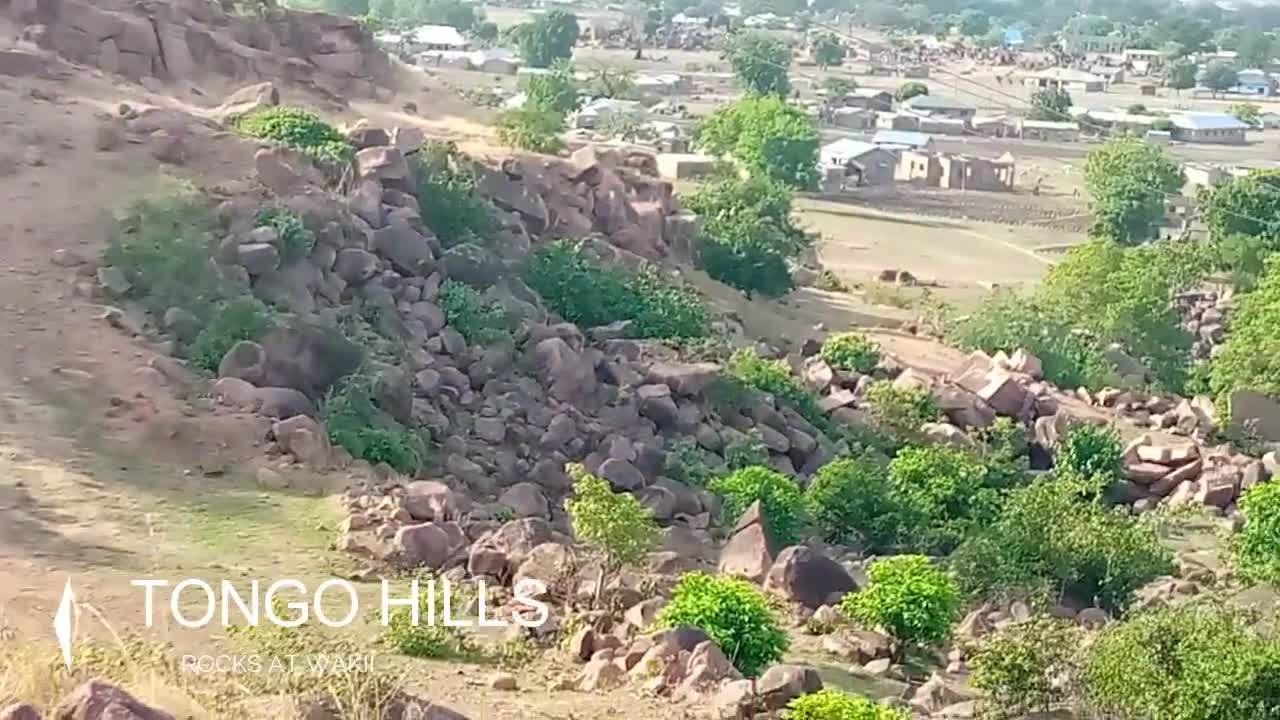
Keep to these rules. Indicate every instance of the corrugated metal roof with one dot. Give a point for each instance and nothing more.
(437, 35)
(901, 137)
(935, 102)
(1207, 121)
(846, 147)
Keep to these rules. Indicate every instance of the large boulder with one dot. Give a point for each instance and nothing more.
(525, 500)
(807, 577)
(749, 552)
(408, 250)
(100, 700)
(471, 264)
(501, 552)
(567, 374)
(432, 500)
(1255, 411)
(308, 357)
(428, 544)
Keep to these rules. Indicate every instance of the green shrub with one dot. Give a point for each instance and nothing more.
(779, 497)
(1196, 661)
(1090, 455)
(944, 494)
(731, 612)
(1002, 447)
(531, 128)
(164, 246)
(912, 599)
(690, 464)
(355, 423)
(748, 234)
(479, 321)
(586, 293)
(901, 411)
(1008, 322)
(774, 377)
(850, 499)
(296, 128)
(429, 637)
(556, 90)
(616, 525)
(294, 240)
(766, 135)
(850, 351)
(1047, 535)
(1020, 667)
(241, 319)
(746, 451)
(829, 704)
(1249, 357)
(445, 187)
(1256, 548)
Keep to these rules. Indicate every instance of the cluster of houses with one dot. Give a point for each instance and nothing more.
(905, 156)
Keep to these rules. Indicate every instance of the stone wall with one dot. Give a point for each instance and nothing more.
(190, 39)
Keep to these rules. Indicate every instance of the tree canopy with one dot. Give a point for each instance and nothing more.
(768, 136)
(547, 38)
(1128, 179)
(760, 61)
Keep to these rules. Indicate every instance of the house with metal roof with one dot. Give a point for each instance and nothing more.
(435, 37)
(1208, 127)
(871, 164)
(1254, 82)
(1066, 79)
(938, 106)
(903, 139)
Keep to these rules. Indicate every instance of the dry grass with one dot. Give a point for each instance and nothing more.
(881, 293)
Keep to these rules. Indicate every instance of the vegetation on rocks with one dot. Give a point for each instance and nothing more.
(942, 494)
(420, 631)
(296, 128)
(615, 524)
(908, 596)
(774, 377)
(445, 187)
(900, 411)
(294, 241)
(479, 321)
(355, 422)
(1025, 667)
(1202, 660)
(244, 318)
(1047, 537)
(851, 352)
(780, 500)
(851, 499)
(1089, 455)
(1246, 359)
(1256, 548)
(585, 292)
(731, 612)
(829, 704)
(748, 234)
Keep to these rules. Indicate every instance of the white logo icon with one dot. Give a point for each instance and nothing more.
(64, 622)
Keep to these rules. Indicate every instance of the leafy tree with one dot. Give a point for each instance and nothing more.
(1248, 113)
(1090, 454)
(1019, 667)
(828, 51)
(610, 81)
(485, 32)
(910, 89)
(900, 411)
(617, 525)
(944, 494)
(838, 86)
(1128, 179)
(914, 600)
(1250, 357)
(760, 61)
(731, 612)
(1201, 660)
(556, 90)
(1256, 49)
(1182, 76)
(534, 128)
(747, 234)
(852, 499)
(1239, 214)
(850, 351)
(974, 23)
(830, 704)
(1256, 548)
(780, 499)
(1050, 104)
(1219, 77)
(1048, 536)
(549, 37)
(768, 136)
(883, 15)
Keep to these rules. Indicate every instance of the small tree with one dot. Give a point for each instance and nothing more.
(547, 38)
(610, 81)
(760, 61)
(556, 90)
(829, 704)
(617, 525)
(850, 351)
(838, 86)
(1256, 549)
(534, 129)
(1050, 103)
(852, 499)
(768, 136)
(779, 497)
(1090, 455)
(1219, 77)
(828, 51)
(1019, 667)
(731, 612)
(1248, 113)
(909, 90)
(1182, 76)
(915, 601)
